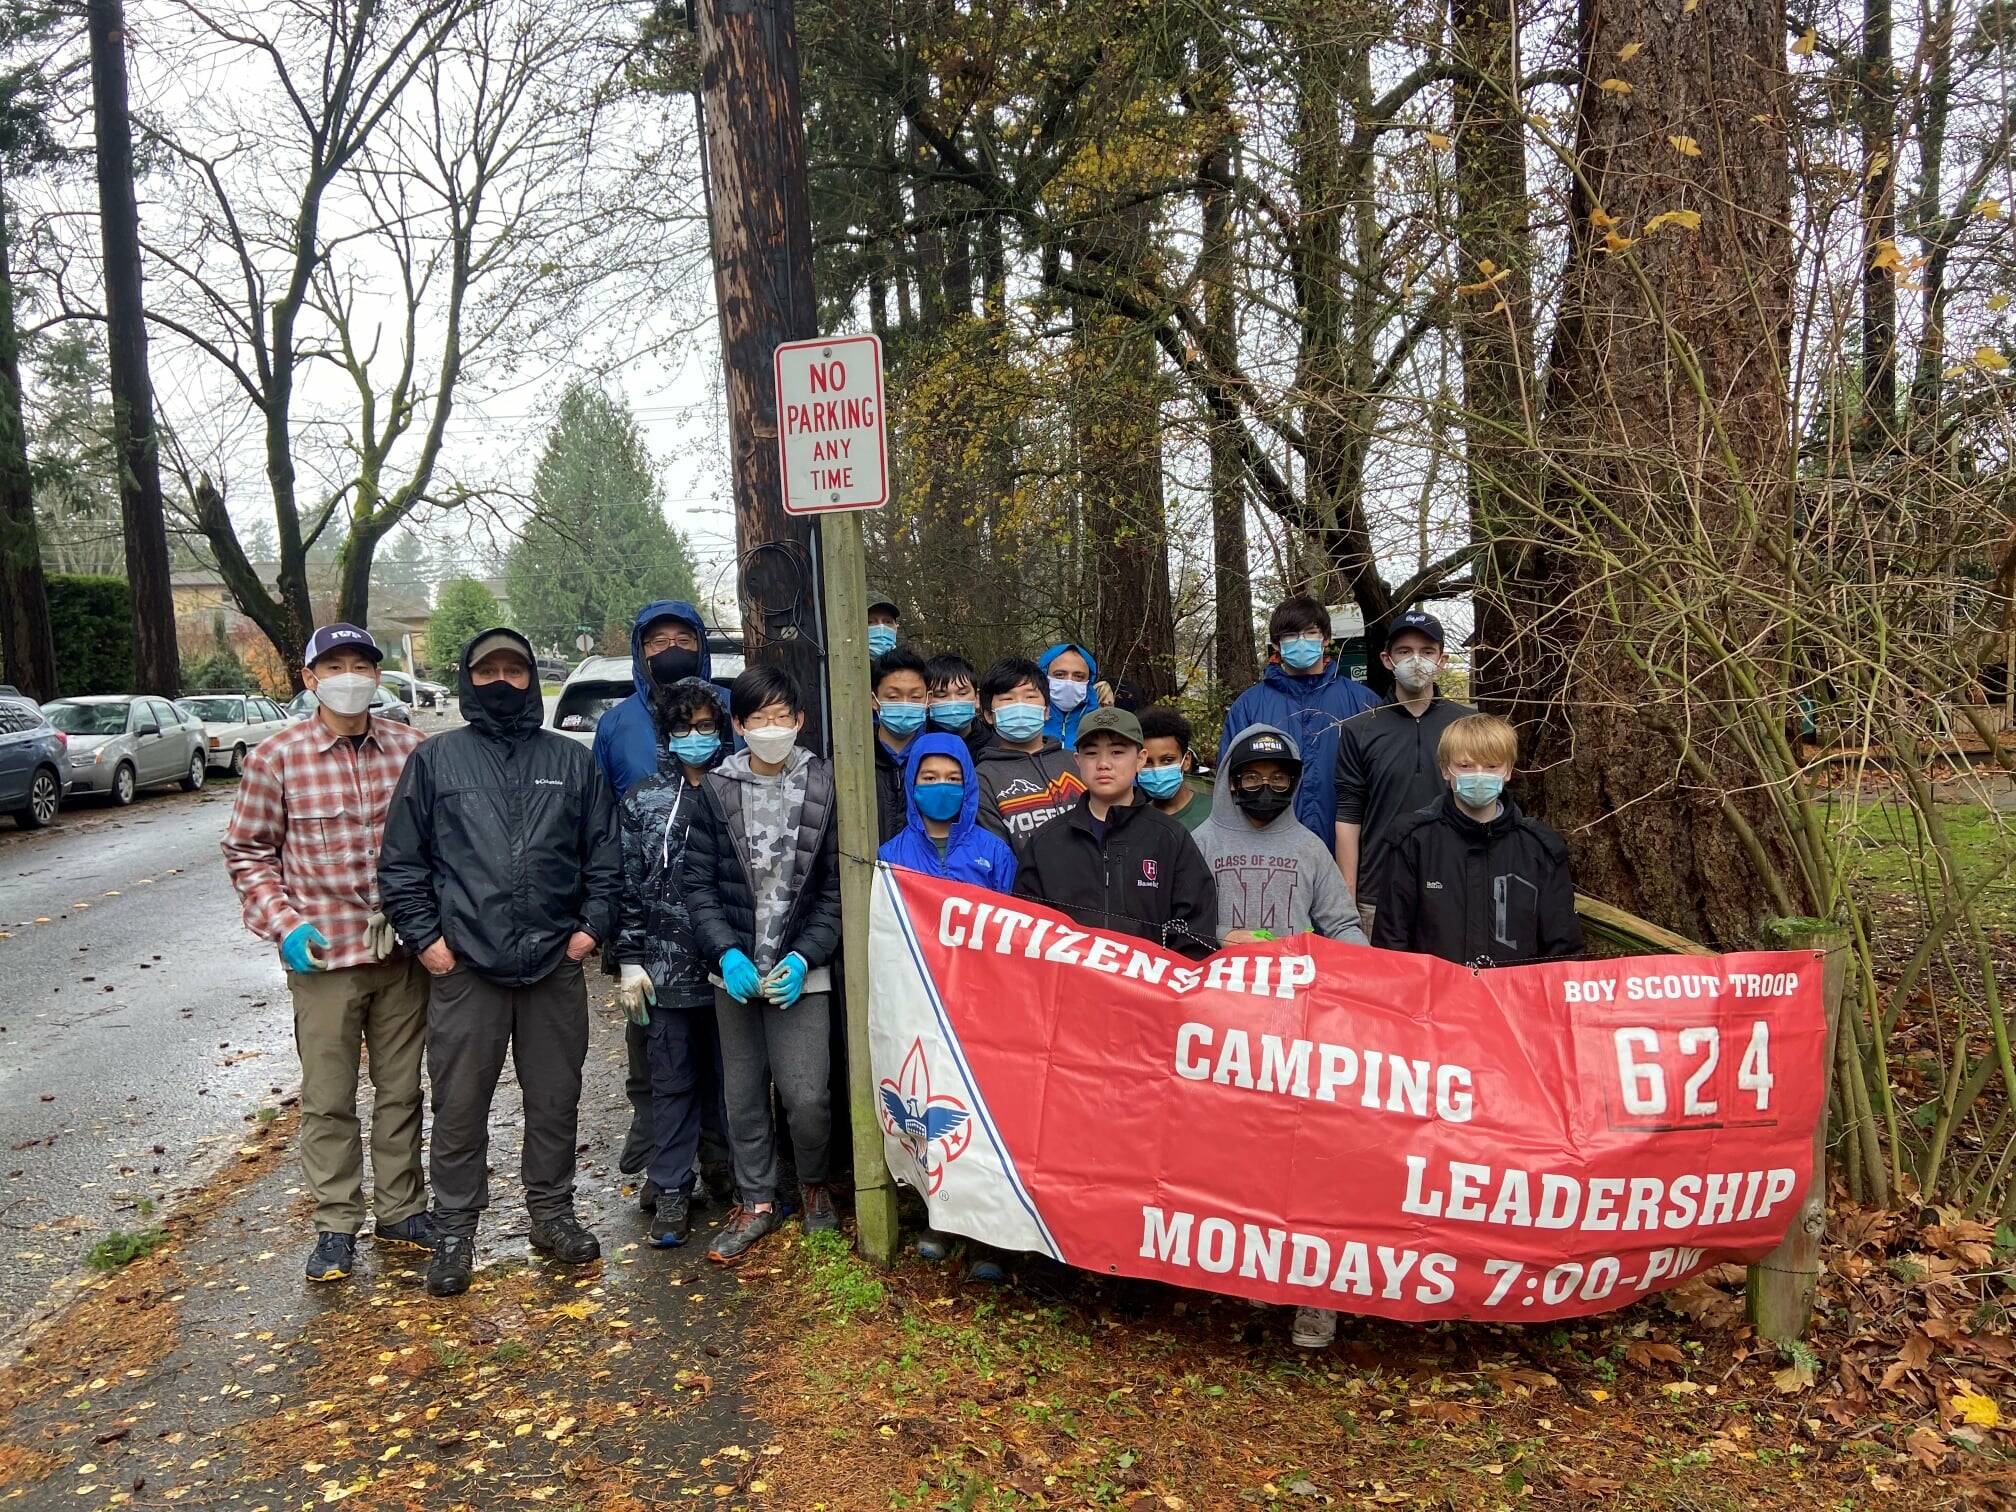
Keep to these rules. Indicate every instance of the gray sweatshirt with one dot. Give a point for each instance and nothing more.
(1280, 877)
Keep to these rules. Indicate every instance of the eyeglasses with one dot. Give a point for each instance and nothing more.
(677, 730)
(665, 640)
(1253, 782)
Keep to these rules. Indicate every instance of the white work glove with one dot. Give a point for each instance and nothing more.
(378, 935)
(633, 992)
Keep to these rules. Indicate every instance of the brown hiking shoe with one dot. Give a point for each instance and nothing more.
(744, 1227)
(819, 1212)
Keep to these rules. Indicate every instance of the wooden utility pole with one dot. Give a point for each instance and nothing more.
(761, 222)
(27, 645)
(156, 667)
(762, 233)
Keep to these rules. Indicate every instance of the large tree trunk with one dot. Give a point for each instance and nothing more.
(1494, 322)
(1667, 433)
(156, 668)
(1233, 661)
(27, 645)
(1878, 124)
(763, 289)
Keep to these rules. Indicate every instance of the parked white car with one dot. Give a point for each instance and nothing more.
(591, 690)
(233, 723)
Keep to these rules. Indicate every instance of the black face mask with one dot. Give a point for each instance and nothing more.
(1262, 803)
(500, 700)
(673, 663)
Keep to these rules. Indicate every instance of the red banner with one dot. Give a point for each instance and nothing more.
(1319, 1124)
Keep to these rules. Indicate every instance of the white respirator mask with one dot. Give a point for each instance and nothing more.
(346, 693)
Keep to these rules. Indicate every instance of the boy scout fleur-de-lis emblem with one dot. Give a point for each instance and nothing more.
(933, 1126)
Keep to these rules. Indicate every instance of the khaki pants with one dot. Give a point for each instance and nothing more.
(383, 1006)
(1366, 913)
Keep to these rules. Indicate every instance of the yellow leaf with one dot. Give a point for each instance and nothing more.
(1482, 285)
(1614, 86)
(1970, 1405)
(1793, 1379)
(1686, 220)
(1887, 258)
(1989, 209)
(1688, 8)
(1989, 360)
(1436, 140)
(1629, 51)
(1612, 242)
(1686, 146)
(578, 1310)
(1601, 219)
(1876, 165)
(1998, 301)
(1803, 48)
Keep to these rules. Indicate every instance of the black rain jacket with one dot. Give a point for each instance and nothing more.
(501, 841)
(1147, 879)
(1496, 894)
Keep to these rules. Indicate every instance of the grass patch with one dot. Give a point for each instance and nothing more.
(121, 1248)
(1892, 854)
(850, 1288)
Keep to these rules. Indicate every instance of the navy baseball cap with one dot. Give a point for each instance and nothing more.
(340, 637)
(1421, 622)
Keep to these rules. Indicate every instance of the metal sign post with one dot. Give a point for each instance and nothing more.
(833, 454)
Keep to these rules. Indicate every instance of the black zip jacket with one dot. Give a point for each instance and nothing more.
(1147, 879)
(1495, 894)
(654, 929)
(892, 812)
(1386, 769)
(721, 894)
(501, 840)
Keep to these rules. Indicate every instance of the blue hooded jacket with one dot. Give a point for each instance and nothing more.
(1312, 710)
(1063, 727)
(626, 741)
(972, 855)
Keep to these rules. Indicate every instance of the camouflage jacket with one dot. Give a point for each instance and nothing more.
(653, 929)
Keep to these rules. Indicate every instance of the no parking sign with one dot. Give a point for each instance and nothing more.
(832, 439)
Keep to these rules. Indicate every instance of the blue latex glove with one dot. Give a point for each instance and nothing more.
(738, 975)
(298, 949)
(786, 981)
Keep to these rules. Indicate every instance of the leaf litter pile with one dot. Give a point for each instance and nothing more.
(914, 1390)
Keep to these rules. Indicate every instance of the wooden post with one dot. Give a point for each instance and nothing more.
(761, 227)
(1779, 1288)
(846, 572)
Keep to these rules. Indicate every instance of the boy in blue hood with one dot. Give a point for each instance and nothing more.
(668, 643)
(1306, 693)
(943, 838)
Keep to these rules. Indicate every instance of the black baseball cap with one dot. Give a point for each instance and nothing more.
(879, 601)
(1421, 622)
(340, 637)
(1262, 745)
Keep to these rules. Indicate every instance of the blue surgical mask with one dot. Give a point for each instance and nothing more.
(1302, 652)
(1479, 789)
(1160, 782)
(954, 714)
(940, 800)
(695, 749)
(1066, 693)
(902, 719)
(1019, 722)
(881, 639)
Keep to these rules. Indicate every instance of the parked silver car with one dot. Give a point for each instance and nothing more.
(120, 743)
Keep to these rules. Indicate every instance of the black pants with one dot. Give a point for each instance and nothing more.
(470, 1024)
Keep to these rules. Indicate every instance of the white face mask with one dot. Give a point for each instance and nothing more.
(1414, 672)
(772, 743)
(346, 692)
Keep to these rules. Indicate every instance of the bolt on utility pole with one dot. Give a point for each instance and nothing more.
(785, 476)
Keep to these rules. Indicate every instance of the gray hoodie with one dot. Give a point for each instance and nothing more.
(1278, 878)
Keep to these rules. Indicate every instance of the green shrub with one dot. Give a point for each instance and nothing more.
(221, 670)
(93, 621)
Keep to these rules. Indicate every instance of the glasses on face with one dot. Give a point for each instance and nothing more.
(1253, 782)
(665, 640)
(765, 719)
(706, 727)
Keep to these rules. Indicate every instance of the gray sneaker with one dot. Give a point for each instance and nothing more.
(1315, 1328)
(744, 1227)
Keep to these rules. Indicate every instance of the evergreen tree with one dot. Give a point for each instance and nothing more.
(464, 607)
(598, 545)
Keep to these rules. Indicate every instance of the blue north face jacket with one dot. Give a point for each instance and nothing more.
(626, 740)
(972, 854)
(1312, 709)
(1062, 727)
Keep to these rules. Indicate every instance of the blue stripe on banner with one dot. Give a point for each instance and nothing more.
(959, 1055)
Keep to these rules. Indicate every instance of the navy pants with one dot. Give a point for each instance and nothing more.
(684, 1050)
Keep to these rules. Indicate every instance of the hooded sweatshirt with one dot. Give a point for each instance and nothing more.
(972, 854)
(1062, 727)
(626, 741)
(1021, 791)
(1279, 877)
(1312, 711)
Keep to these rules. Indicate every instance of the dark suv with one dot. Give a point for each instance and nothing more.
(33, 764)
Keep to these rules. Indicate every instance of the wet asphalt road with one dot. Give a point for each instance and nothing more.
(140, 1027)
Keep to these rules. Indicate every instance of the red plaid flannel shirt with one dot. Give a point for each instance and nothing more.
(302, 844)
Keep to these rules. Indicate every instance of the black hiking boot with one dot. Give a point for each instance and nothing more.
(334, 1257)
(565, 1239)
(671, 1223)
(454, 1262)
